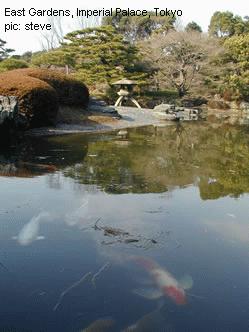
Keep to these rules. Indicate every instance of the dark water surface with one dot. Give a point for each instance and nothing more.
(79, 213)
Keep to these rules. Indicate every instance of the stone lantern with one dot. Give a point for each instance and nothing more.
(125, 92)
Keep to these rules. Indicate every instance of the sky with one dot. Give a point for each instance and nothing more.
(23, 40)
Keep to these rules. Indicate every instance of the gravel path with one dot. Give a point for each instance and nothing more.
(100, 122)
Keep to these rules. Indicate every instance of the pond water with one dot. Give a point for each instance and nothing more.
(97, 231)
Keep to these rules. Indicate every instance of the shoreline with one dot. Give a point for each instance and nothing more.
(97, 122)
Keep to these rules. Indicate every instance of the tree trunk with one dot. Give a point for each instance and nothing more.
(181, 91)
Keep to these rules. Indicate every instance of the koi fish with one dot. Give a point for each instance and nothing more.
(166, 284)
(152, 321)
(29, 232)
(100, 325)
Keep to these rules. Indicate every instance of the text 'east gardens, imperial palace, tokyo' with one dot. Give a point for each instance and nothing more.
(92, 12)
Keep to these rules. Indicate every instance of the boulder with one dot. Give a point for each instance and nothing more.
(8, 108)
(244, 106)
(179, 109)
(165, 116)
(193, 102)
(165, 108)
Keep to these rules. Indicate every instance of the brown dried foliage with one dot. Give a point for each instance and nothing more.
(37, 99)
(69, 91)
(40, 91)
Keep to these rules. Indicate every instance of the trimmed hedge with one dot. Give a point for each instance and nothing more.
(38, 101)
(69, 90)
(41, 91)
(12, 63)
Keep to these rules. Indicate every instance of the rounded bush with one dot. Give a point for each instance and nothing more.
(38, 101)
(41, 91)
(69, 91)
(12, 63)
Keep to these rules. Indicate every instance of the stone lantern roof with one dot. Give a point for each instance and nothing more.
(124, 81)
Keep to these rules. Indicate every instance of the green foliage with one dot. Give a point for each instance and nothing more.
(4, 52)
(102, 56)
(12, 63)
(27, 56)
(237, 78)
(238, 51)
(139, 27)
(189, 61)
(55, 57)
(98, 56)
(226, 24)
(193, 26)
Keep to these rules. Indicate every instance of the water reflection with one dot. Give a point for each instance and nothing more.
(181, 211)
(230, 230)
(212, 156)
(36, 156)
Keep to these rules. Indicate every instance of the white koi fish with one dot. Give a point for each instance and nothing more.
(29, 232)
(166, 284)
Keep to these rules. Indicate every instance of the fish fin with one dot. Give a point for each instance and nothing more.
(196, 296)
(186, 282)
(41, 237)
(148, 293)
(160, 304)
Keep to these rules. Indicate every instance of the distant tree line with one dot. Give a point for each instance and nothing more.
(152, 51)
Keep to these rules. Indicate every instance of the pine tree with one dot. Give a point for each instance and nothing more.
(4, 52)
(101, 55)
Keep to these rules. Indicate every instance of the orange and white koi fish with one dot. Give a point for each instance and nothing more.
(166, 284)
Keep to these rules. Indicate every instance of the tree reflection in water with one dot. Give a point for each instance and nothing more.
(210, 155)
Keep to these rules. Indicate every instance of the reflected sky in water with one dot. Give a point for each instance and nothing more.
(92, 205)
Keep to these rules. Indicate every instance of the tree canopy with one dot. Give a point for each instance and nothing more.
(177, 58)
(151, 50)
(193, 26)
(139, 27)
(98, 55)
(237, 54)
(226, 24)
